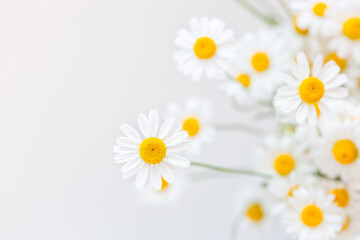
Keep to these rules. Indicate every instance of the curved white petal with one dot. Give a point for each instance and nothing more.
(153, 122)
(144, 125)
(177, 160)
(131, 133)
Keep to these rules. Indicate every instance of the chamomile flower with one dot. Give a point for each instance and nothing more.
(281, 189)
(256, 221)
(282, 156)
(310, 93)
(152, 156)
(314, 16)
(195, 117)
(346, 41)
(312, 215)
(337, 152)
(205, 49)
(345, 195)
(259, 56)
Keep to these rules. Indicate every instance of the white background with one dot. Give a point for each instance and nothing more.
(71, 72)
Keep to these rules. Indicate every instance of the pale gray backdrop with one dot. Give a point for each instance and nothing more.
(71, 72)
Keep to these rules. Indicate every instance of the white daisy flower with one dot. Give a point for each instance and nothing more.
(314, 16)
(256, 222)
(282, 156)
(259, 56)
(205, 49)
(310, 93)
(344, 193)
(281, 189)
(346, 42)
(312, 215)
(337, 153)
(195, 117)
(154, 154)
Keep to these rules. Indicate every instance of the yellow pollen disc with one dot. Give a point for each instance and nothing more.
(319, 9)
(351, 28)
(284, 164)
(152, 150)
(311, 90)
(192, 126)
(260, 61)
(342, 197)
(255, 212)
(297, 29)
(345, 151)
(358, 82)
(204, 48)
(339, 61)
(244, 80)
(346, 224)
(312, 216)
(291, 192)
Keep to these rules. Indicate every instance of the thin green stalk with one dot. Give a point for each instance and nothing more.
(230, 170)
(256, 12)
(238, 127)
(286, 8)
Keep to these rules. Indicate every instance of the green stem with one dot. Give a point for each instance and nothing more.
(231, 170)
(238, 127)
(256, 12)
(286, 8)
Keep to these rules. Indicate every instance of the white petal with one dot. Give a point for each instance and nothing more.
(155, 178)
(339, 92)
(130, 132)
(312, 116)
(318, 63)
(144, 125)
(287, 91)
(166, 173)
(142, 176)
(303, 64)
(166, 128)
(153, 122)
(177, 160)
(301, 113)
(132, 171)
(180, 147)
(123, 159)
(126, 142)
(177, 138)
(130, 165)
(329, 74)
(288, 79)
(338, 81)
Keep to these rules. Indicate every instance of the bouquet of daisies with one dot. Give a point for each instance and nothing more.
(304, 69)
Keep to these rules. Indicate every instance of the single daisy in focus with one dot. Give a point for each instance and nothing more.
(314, 16)
(281, 189)
(259, 56)
(195, 117)
(282, 156)
(310, 93)
(312, 215)
(337, 152)
(152, 156)
(346, 41)
(205, 49)
(255, 220)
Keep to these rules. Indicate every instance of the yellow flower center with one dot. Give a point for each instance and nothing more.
(311, 90)
(345, 151)
(342, 197)
(204, 48)
(152, 150)
(284, 164)
(297, 29)
(339, 61)
(260, 61)
(255, 212)
(192, 126)
(312, 216)
(244, 80)
(346, 223)
(351, 28)
(291, 192)
(319, 9)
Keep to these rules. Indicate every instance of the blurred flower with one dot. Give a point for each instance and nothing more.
(153, 156)
(195, 117)
(312, 215)
(310, 94)
(205, 49)
(337, 152)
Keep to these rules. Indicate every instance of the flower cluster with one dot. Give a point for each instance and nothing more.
(304, 74)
